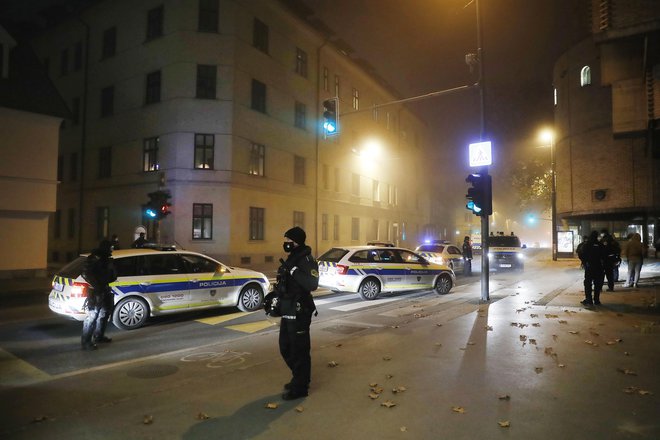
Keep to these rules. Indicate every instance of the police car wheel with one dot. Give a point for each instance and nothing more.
(250, 299)
(369, 289)
(443, 284)
(130, 313)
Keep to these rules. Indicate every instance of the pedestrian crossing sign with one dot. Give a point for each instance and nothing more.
(480, 154)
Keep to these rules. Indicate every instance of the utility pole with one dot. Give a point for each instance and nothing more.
(485, 296)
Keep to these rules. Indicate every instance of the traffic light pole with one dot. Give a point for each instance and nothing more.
(485, 296)
(485, 268)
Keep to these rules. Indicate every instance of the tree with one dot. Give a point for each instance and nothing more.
(533, 184)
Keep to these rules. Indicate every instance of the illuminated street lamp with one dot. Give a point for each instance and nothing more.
(548, 136)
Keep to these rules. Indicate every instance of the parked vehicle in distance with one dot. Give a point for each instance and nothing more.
(152, 282)
(370, 270)
(505, 252)
(446, 254)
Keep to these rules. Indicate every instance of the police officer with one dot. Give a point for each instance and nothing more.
(467, 256)
(612, 258)
(298, 276)
(593, 256)
(99, 272)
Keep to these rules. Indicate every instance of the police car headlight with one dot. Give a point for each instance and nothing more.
(438, 260)
(520, 256)
(490, 255)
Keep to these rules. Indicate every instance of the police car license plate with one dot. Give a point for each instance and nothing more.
(55, 304)
(505, 265)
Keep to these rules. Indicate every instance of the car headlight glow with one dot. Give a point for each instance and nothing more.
(490, 255)
(520, 256)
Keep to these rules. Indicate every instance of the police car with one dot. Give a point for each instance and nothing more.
(153, 282)
(370, 270)
(446, 254)
(505, 252)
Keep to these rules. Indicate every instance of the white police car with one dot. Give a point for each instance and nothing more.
(154, 282)
(368, 270)
(445, 253)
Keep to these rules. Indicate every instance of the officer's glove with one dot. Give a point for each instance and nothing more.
(287, 267)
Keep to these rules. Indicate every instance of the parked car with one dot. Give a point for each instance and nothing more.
(446, 254)
(370, 270)
(154, 282)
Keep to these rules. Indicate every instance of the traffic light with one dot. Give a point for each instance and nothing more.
(479, 196)
(158, 205)
(330, 116)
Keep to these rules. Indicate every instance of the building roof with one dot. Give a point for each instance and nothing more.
(27, 86)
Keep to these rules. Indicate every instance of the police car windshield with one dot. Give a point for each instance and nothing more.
(504, 241)
(333, 255)
(430, 248)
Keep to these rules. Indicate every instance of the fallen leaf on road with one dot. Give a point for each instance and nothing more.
(523, 338)
(458, 409)
(588, 341)
(388, 376)
(626, 353)
(439, 325)
(332, 364)
(594, 333)
(399, 389)
(437, 344)
(610, 342)
(532, 341)
(40, 419)
(504, 397)
(555, 337)
(470, 343)
(550, 316)
(300, 409)
(388, 404)
(387, 358)
(271, 405)
(534, 315)
(538, 370)
(394, 326)
(403, 429)
(202, 416)
(626, 371)
(536, 324)
(148, 420)
(561, 365)
(563, 321)
(377, 390)
(504, 424)
(574, 332)
(338, 345)
(548, 350)
(374, 396)
(619, 340)
(489, 328)
(644, 393)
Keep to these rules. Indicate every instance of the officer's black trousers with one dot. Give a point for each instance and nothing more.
(295, 348)
(593, 277)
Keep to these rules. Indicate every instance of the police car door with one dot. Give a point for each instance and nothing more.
(418, 275)
(391, 269)
(162, 280)
(456, 256)
(208, 286)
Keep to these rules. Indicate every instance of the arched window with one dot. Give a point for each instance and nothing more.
(585, 76)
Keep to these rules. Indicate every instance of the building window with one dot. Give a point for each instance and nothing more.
(258, 96)
(206, 80)
(105, 162)
(355, 184)
(324, 227)
(300, 115)
(75, 110)
(257, 160)
(299, 170)
(376, 191)
(107, 101)
(64, 62)
(392, 195)
(57, 224)
(301, 62)
(585, 76)
(71, 229)
(326, 81)
(554, 93)
(202, 221)
(299, 219)
(374, 229)
(256, 223)
(109, 43)
(153, 88)
(337, 86)
(337, 175)
(150, 155)
(356, 99)
(78, 56)
(73, 167)
(335, 228)
(155, 22)
(204, 148)
(260, 35)
(102, 222)
(355, 228)
(374, 113)
(60, 168)
(208, 16)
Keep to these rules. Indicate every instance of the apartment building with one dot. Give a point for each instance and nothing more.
(219, 102)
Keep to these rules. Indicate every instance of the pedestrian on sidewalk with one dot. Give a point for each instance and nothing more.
(99, 272)
(634, 254)
(592, 257)
(612, 258)
(467, 256)
(297, 277)
(115, 242)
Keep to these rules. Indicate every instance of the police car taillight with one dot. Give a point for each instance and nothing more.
(79, 290)
(341, 269)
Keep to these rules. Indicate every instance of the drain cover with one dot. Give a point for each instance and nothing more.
(152, 371)
(344, 329)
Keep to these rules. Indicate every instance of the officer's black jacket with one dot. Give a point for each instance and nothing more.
(300, 284)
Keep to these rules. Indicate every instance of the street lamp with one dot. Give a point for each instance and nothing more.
(548, 136)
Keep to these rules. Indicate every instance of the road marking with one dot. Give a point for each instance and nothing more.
(18, 372)
(215, 320)
(364, 304)
(251, 327)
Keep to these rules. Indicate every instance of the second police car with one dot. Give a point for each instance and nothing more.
(155, 282)
(370, 270)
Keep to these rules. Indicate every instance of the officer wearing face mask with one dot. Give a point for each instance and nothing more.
(297, 277)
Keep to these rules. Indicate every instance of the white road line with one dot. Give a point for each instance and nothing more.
(364, 304)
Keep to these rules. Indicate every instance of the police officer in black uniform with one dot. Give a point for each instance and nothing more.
(593, 256)
(297, 277)
(99, 272)
(612, 258)
(467, 256)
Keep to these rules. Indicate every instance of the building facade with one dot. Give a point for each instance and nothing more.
(607, 119)
(219, 103)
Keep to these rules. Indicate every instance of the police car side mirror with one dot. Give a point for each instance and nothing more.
(524, 246)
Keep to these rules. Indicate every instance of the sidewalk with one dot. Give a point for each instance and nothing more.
(531, 364)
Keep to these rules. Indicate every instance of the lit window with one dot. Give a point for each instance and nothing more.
(585, 76)
(554, 92)
(257, 160)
